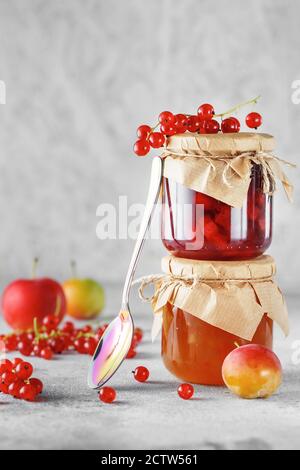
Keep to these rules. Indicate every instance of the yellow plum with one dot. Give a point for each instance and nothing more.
(252, 371)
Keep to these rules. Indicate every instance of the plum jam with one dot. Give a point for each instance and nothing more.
(197, 226)
(194, 351)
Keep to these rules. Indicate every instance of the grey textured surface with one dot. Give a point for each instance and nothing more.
(151, 415)
(80, 77)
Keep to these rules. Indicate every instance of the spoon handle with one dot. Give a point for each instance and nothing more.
(153, 194)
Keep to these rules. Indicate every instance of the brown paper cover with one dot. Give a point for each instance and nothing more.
(231, 295)
(220, 165)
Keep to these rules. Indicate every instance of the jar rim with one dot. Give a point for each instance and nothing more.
(220, 144)
(262, 267)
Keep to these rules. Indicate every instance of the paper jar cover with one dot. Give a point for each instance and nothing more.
(220, 165)
(231, 295)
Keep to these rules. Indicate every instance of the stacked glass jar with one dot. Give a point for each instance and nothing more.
(197, 226)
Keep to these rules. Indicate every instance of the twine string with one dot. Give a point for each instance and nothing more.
(260, 158)
(163, 281)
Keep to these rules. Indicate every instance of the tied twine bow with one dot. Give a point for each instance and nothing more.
(239, 166)
(163, 281)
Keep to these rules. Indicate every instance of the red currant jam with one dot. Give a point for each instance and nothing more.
(197, 226)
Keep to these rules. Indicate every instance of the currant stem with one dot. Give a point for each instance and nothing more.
(236, 108)
(36, 329)
(34, 267)
(73, 268)
(153, 129)
(237, 345)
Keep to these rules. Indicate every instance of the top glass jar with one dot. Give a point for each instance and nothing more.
(197, 226)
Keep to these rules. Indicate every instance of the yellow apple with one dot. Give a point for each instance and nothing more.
(85, 298)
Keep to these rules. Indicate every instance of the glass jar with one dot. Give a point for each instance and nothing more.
(197, 226)
(194, 351)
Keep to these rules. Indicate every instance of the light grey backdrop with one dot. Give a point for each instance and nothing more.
(82, 74)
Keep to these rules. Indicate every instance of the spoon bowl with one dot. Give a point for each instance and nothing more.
(111, 350)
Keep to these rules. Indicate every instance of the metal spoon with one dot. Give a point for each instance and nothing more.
(116, 340)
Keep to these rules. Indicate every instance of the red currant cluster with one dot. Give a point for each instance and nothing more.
(203, 123)
(48, 340)
(16, 380)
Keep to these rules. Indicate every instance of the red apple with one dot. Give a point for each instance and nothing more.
(252, 371)
(25, 299)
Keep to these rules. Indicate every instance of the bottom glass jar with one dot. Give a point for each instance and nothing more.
(194, 350)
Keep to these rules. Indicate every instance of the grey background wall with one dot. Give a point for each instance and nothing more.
(81, 75)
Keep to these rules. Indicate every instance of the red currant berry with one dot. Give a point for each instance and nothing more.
(24, 370)
(107, 394)
(168, 129)
(138, 333)
(42, 343)
(166, 117)
(3, 387)
(37, 384)
(211, 127)
(254, 120)
(25, 348)
(143, 131)
(141, 374)
(101, 330)
(8, 378)
(193, 123)
(98, 337)
(206, 112)
(68, 342)
(87, 329)
(141, 148)
(181, 123)
(10, 343)
(22, 337)
(28, 392)
(14, 388)
(50, 322)
(46, 353)
(29, 337)
(5, 366)
(68, 327)
(238, 124)
(16, 361)
(36, 350)
(157, 140)
(230, 125)
(185, 391)
(79, 345)
(90, 345)
(131, 353)
(57, 345)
